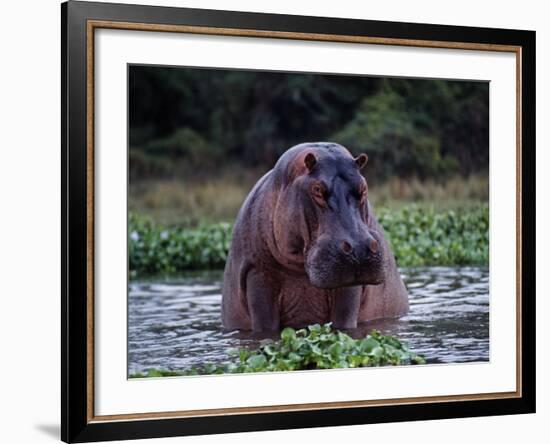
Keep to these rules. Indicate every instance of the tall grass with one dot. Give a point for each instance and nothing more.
(190, 202)
(455, 192)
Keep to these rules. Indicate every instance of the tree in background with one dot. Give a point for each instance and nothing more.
(192, 121)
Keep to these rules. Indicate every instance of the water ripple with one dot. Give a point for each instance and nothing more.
(176, 324)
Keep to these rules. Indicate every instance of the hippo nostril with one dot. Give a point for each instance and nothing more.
(346, 247)
(373, 245)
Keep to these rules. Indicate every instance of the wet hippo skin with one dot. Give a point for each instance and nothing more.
(307, 248)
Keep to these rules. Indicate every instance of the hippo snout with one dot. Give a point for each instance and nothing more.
(333, 263)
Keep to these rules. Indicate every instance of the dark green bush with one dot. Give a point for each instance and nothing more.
(201, 119)
(315, 347)
(423, 129)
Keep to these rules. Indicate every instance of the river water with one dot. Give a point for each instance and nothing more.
(175, 324)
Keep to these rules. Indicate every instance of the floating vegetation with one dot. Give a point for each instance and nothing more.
(311, 348)
(418, 236)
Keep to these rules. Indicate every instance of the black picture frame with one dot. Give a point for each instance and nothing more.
(77, 425)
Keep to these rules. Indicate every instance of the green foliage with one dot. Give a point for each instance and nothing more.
(183, 142)
(418, 236)
(155, 250)
(424, 129)
(314, 347)
(189, 121)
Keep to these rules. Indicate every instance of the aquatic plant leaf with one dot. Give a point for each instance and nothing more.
(308, 349)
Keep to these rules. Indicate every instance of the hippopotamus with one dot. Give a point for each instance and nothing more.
(307, 248)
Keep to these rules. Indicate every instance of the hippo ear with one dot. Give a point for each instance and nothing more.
(310, 161)
(361, 160)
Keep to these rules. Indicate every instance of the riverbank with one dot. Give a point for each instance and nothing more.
(196, 200)
(418, 235)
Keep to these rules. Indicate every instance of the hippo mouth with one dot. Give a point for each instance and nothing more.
(328, 269)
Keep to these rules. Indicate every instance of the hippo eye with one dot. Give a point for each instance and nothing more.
(318, 192)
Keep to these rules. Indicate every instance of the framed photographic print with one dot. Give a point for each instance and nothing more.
(276, 221)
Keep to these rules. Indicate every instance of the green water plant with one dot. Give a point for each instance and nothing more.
(154, 249)
(418, 236)
(314, 347)
(424, 237)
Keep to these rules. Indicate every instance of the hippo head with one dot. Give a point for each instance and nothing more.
(321, 217)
